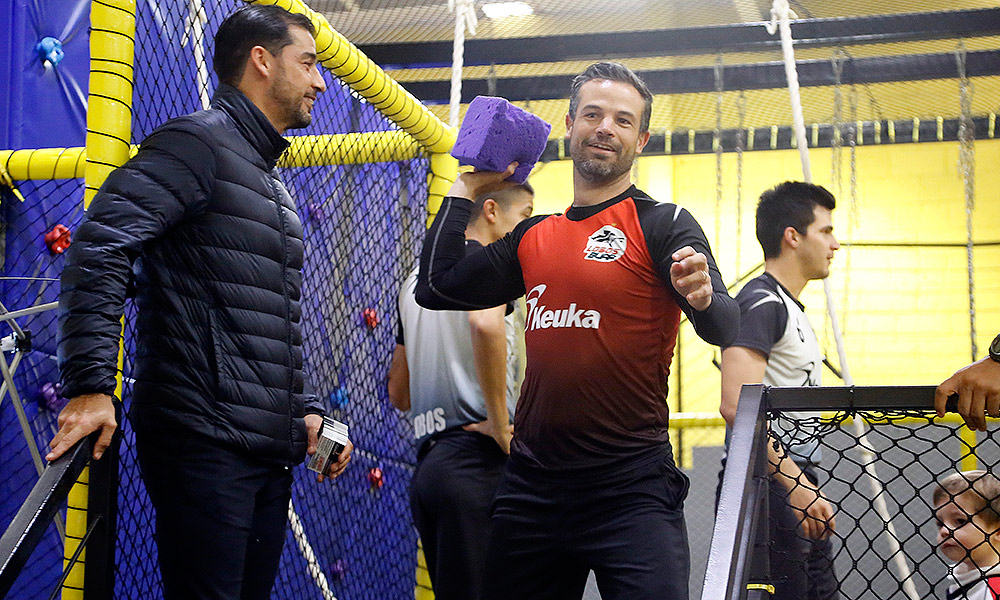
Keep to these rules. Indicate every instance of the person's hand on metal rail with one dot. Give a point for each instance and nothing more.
(80, 417)
(977, 387)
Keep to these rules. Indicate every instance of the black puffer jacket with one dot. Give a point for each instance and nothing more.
(217, 253)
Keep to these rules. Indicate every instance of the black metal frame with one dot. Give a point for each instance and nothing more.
(745, 480)
(758, 76)
(42, 505)
(744, 493)
(740, 37)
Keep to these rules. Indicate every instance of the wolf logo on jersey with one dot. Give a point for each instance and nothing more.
(607, 244)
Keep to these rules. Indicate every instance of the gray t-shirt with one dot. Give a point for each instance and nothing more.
(444, 389)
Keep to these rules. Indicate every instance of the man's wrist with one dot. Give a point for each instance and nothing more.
(995, 349)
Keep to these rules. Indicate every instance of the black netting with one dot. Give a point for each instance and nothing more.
(880, 478)
(29, 279)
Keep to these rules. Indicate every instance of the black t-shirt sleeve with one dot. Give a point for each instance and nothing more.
(763, 318)
(449, 279)
(668, 228)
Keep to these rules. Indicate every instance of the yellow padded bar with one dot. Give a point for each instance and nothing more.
(109, 110)
(368, 79)
(350, 149)
(44, 163)
(305, 151)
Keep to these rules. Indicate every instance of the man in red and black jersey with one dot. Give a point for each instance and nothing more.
(591, 483)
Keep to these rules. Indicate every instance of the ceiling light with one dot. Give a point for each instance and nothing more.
(499, 10)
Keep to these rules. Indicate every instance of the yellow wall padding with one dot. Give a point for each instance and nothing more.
(366, 78)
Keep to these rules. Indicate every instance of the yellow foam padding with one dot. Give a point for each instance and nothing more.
(304, 151)
(109, 111)
(76, 529)
(366, 78)
(444, 172)
(350, 149)
(43, 163)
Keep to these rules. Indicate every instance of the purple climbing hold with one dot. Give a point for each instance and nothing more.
(51, 397)
(339, 568)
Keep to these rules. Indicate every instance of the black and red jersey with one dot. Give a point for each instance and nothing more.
(601, 324)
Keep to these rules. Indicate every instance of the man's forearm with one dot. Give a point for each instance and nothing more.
(720, 322)
(489, 349)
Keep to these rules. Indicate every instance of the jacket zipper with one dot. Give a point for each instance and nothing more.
(288, 309)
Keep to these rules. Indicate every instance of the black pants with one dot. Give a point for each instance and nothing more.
(220, 517)
(547, 536)
(801, 568)
(456, 476)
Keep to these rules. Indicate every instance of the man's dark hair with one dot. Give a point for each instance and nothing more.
(788, 204)
(612, 71)
(253, 25)
(504, 197)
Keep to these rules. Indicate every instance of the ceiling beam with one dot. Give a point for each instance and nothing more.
(912, 67)
(693, 40)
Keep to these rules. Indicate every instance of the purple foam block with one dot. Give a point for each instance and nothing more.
(496, 133)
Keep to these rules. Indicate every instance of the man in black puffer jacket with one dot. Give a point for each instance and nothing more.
(219, 404)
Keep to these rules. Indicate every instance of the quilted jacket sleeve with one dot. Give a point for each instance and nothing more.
(169, 179)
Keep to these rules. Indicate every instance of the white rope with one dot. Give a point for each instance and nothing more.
(197, 19)
(465, 18)
(307, 553)
(780, 14)
(780, 17)
(967, 164)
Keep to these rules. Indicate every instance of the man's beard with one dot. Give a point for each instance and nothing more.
(598, 171)
(291, 103)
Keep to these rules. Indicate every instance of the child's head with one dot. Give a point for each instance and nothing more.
(967, 510)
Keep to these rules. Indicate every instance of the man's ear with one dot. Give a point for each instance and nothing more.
(642, 141)
(569, 124)
(261, 61)
(791, 237)
(490, 209)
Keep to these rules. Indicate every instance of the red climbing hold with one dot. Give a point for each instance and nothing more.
(58, 239)
(371, 318)
(375, 478)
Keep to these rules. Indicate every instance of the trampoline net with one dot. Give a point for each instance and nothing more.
(880, 480)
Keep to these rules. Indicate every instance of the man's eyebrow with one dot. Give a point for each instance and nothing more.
(309, 55)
